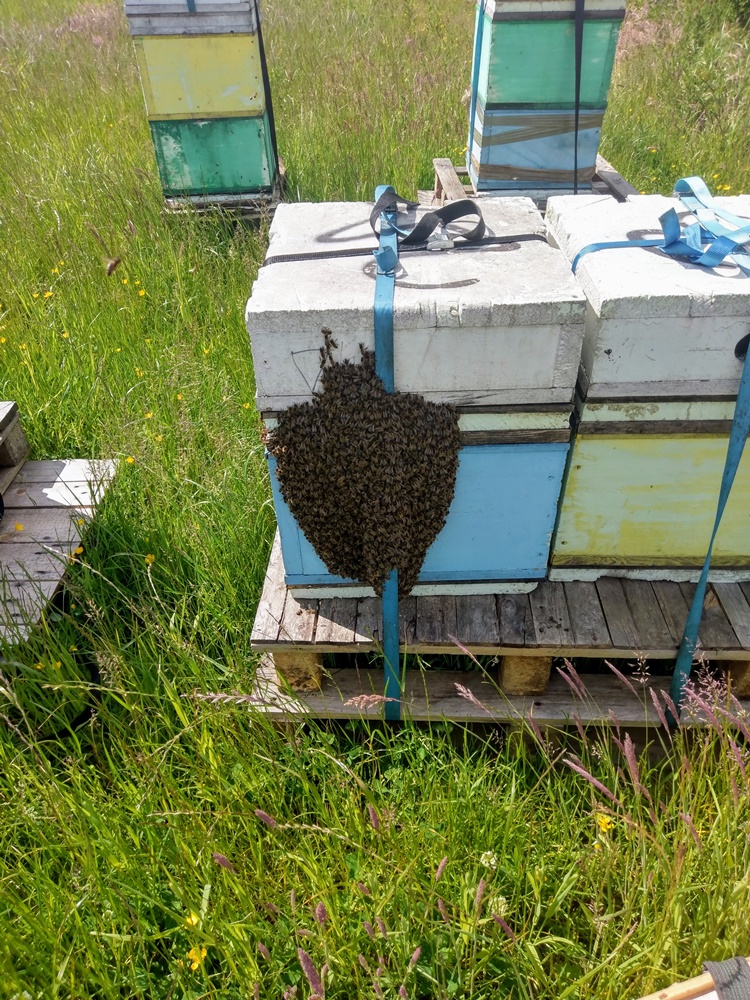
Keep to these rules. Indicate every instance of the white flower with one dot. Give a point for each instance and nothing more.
(498, 905)
(489, 860)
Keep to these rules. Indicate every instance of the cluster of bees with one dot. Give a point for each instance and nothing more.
(369, 476)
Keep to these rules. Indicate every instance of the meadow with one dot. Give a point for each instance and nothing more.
(172, 847)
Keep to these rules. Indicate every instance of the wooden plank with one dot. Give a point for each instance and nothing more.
(745, 588)
(7, 475)
(53, 494)
(715, 630)
(14, 447)
(24, 561)
(407, 621)
(49, 526)
(436, 620)
(736, 609)
(298, 621)
(446, 180)
(70, 470)
(432, 696)
(369, 621)
(549, 613)
(673, 607)
(587, 619)
(617, 184)
(514, 620)
(476, 620)
(337, 617)
(619, 619)
(647, 617)
(271, 607)
(8, 413)
(25, 601)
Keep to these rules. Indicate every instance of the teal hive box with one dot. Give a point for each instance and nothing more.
(523, 132)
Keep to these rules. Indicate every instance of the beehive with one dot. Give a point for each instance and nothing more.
(206, 94)
(523, 133)
(495, 330)
(658, 381)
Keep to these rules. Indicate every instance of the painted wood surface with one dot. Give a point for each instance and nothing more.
(650, 501)
(608, 617)
(530, 62)
(656, 327)
(214, 155)
(172, 17)
(201, 76)
(47, 506)
(483, 326)
(532, 148)
(357, 693)
(499, 525)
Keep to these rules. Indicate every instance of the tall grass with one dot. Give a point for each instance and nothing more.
(130, 837)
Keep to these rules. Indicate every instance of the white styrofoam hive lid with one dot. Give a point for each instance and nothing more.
(654, 319)
(482, 326)
(173, 17)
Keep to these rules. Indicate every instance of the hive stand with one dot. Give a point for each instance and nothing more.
(611, 618)
(47, 505)
(452, 184)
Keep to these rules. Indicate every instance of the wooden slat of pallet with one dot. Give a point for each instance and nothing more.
(736, 609)
(23, 561)
(647, 617)
(476, 620)
(369, 621)
(7, 475)
(407, 621)
(59, 494)
(514, 620)
(745, 588)
(432, 696)
(48, 526)
(617, 184)
(271, 606)
(619, 619)
(436, 620)
(21, 601)
(715, 631)
(673, 607)
(298, 621)
(337, 617)
(549, 612)
(446, 181)
(68, 470)
(586, 616)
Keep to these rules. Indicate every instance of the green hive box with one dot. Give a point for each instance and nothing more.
(214, 156)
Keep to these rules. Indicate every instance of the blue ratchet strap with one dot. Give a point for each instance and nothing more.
(475, 78)
(386, 259)
(191, 6)
(737, 437)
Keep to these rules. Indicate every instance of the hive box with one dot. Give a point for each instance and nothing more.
(174, 17)
(487, 326)
(641, 492)
(496, 330)
(523, 134)
(656, 327)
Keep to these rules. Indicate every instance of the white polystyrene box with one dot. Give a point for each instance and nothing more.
(487, 326)
(655, 326)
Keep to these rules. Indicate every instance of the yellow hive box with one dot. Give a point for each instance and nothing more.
(201, 76)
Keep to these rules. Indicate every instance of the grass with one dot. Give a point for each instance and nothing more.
(132, 843)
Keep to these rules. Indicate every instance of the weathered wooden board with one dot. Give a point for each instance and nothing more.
(46, 509)
(435, 696)
(201, 76)
(612, 617)
(211, 17)
(492, 326)
(650, 501)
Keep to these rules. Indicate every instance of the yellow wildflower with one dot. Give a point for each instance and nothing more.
(148, 340)
(61, 263)
(605, 823)
(137, 281)
(35, 295)
(73, 649)
(55, 270)
(149, 559)
(597, 846)
(48, 295)
(179, 395)
(159, 437)
(80, 521)
(245, 406)
(192, 919)
(2, 340)
(79, 550)
(56, 665)
(124, 281)
(196, 956)
(19, 526)
(148, 415)
(206, 350)
(141, 291)
(39, 666)
(139, 372)
(22, 346)
(65, 334)
(130, 460)
(117, 350)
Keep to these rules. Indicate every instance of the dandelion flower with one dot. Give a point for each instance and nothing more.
(130, 460)
(19, 526)
(149, 558)
(197, 957)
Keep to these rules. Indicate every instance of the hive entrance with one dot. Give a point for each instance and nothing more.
(369, 476)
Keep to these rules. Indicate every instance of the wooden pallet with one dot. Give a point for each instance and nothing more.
(612, 618)
(47, 507)
(450, 185)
